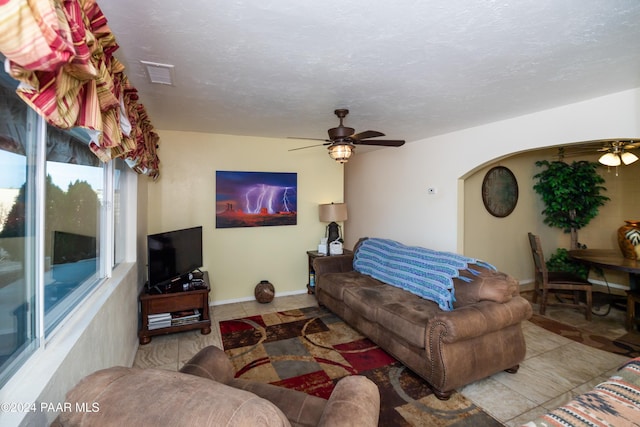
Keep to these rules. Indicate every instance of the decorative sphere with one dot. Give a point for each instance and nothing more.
(264, 292)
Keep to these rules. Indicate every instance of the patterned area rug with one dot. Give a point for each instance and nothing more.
(310, 349)
(626, 345)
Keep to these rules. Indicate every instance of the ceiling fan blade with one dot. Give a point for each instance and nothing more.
(310, 139)
(309, 146)
(382, 142)
(631, 146)
(366, 134)
(579, 152)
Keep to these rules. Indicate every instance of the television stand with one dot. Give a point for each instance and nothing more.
(174, 302)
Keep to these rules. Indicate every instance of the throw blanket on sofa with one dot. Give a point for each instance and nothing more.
(424, 272)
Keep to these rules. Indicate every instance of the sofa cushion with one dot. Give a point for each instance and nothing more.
(395, 309)
(366, 299)
(301, 409)
(335, 284)
(487, 285)
(408, 317)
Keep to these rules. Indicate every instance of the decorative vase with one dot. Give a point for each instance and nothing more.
(629, 239)
(264, 292)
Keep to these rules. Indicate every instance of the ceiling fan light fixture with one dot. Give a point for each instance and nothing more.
(610, 159)
(341, 152)
(628, 158)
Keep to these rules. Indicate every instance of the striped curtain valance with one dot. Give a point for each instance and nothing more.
(61, 52)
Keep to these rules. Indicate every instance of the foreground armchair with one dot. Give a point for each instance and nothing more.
(205, 393)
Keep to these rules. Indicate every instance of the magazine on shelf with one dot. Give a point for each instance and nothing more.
(185, 317)
(159, 325)
(159, 316)
(159, 320)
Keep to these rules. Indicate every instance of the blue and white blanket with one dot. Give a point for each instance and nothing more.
(424, 272)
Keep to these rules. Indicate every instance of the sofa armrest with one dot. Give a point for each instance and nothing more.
(355, 402)
(211, 363)
(477, 319)
(333, 264)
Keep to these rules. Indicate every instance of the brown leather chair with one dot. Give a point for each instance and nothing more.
(561, 283)
(206, 393)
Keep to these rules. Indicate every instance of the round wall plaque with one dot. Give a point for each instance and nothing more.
(500, 191)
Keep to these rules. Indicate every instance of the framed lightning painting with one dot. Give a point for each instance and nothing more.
(256, 199)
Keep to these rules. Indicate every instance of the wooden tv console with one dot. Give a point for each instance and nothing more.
(173, 302)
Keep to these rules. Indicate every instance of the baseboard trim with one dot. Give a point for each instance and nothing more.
(247, 299)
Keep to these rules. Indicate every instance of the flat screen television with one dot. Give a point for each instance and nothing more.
(173, 255)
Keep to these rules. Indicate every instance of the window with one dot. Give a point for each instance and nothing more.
(121, 171)
(17, 243)
(61, 210)
(74, 193)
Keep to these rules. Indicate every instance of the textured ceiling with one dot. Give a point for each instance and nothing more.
(411, 69)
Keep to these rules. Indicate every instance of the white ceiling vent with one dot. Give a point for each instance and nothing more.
(159, 73)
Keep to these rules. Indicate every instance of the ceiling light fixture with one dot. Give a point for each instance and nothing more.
(341, 151)
(616, 159)
(159, 73)
(610, 159)
(628, 158)
(616, 153)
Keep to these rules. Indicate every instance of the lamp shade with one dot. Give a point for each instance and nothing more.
(333, 212)
(610, 159)
(628, 158)
(341, 152)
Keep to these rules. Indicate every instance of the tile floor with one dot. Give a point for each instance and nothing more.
(555, 368)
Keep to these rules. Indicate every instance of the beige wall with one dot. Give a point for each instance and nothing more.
(482, 229)
(238, 258)
(485, 233)
(387, 193)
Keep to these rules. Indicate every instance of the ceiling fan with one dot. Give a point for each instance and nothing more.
(342, 139)
(617, 152)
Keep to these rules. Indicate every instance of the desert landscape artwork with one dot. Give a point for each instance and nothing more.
(256, 199)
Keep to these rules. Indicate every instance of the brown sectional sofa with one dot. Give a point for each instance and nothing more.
(481, 336)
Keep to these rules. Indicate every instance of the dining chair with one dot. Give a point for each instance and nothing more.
(563, 284)
(633, 297)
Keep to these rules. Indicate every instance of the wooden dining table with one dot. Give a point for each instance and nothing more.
(610, 259)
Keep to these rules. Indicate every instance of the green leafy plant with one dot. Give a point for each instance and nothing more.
(571, 194)
(560, 261)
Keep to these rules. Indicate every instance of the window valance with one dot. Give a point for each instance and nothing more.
(61, 52)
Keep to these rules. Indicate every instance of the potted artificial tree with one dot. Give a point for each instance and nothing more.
(572, 196)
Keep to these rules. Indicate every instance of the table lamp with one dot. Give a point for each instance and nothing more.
(331, 213)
